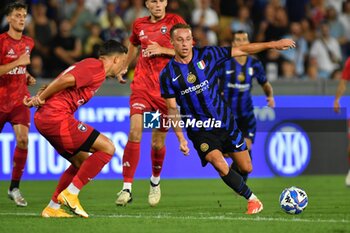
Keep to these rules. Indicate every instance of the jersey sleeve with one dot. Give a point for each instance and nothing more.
(166, 89)
(134, 39)
(346, 70)
(179, 19)
(259, 73)
(83, 75)
(220, 54)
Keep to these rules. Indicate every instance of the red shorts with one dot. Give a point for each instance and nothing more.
(68, 136)
(141, 101)
(18, 115)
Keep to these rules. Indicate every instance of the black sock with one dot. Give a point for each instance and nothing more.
(14, 184)
(234, 167)
(236, 182)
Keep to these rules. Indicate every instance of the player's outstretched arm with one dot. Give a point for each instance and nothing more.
(253, 48)
(174, 116)
(340, 91)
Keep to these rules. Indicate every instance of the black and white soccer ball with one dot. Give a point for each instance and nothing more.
(293, 200)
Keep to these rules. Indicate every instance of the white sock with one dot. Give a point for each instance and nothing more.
(72, 189)
(252, 197)
(155, 180)
(127, 185)
(54, 205)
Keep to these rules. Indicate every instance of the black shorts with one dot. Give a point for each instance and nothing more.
(247, 125)
(223, 140)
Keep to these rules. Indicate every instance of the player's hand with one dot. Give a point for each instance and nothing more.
(284, 44)
(27, 101)
(336, 106)
(31, 81)
(184, 147)
(270, 102)
(120, 75)
(33, 101)
(24, 59)
(153, 49)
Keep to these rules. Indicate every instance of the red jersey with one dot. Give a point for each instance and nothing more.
(346, 70)
(89, 75)
(13, 84)
(148, 68)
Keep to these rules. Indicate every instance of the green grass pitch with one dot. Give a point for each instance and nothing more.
(203, 205)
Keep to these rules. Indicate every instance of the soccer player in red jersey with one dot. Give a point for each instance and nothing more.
(73, 139)
(340, 91)
(15, 51)
(151, 34)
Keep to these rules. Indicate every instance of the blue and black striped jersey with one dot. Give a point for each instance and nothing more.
(195, 87)
(236, 83)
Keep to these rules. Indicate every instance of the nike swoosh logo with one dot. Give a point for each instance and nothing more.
(230, 71)
(238, 146)
(174, 79)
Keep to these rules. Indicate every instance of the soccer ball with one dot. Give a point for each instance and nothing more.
(293, 200)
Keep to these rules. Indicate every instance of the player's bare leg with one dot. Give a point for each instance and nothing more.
(131, 159)
(157, 156)
(19, 162)
(233, 179)
(102, 152)
(53, 209)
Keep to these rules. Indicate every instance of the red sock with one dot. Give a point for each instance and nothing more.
(131, 159)
(90, 168)
(64, 181)
(157, 157)
(19, 161)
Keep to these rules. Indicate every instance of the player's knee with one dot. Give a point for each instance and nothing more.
(22, 141)
(157, 144)
(110, 148)
(135, 134)
(246, 167)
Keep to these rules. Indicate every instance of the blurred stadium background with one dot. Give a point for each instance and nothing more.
(304, 82)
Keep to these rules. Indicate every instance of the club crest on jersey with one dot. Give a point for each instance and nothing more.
(201, 65)
(241, 77)
(27, 49)
(204, 147)
(163, 29)
(191, 78)
(82, 127)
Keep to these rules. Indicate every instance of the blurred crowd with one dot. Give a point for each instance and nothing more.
(68, 30)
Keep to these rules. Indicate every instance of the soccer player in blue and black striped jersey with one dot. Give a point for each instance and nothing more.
(235, 83)
(190, 80)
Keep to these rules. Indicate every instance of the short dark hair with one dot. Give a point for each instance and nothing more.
(15, 6)
(110, 47)
(179, 26)
(239, 32)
